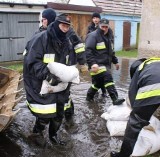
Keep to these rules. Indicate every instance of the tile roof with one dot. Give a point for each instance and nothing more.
(120, 7)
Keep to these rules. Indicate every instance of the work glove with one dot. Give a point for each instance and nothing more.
(52, 79)
(83, 69)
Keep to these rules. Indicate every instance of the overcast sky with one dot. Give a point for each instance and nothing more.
(76, 2)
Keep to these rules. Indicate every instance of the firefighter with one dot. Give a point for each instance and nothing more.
(99, 56)
(78, 56)
(96, 17)
(47, 46)
(48, 16)
(144, 98)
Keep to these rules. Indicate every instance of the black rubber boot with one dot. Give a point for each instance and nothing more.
(103, 89)
(71, 126)
(56, 141)
(53, 128)
(114, 154)
(114, 95)
(90, 94)
(118, 101)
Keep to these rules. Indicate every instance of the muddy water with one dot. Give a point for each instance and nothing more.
(92, 138)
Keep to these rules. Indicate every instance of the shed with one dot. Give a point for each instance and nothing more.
(18, 22)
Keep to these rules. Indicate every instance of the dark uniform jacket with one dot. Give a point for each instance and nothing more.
(99, 50)
(45, 48)
(92, 28)
(78, 46)
(145, 85)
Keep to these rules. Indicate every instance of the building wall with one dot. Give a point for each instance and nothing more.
(133, 34)
(118, 29)
(149, 41)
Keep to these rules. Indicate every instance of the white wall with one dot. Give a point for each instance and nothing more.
(149, 40)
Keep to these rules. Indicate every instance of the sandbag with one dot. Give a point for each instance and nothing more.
(47, 88)
(65, 73)
(117, 113)
(116, 128)
(148, 139)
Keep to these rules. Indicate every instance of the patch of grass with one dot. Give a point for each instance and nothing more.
(128, 54)
(18, 67)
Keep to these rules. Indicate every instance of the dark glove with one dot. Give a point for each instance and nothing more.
(52, 79)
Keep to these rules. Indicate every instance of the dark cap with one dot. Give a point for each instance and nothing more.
(49, 14)
(104, 22)
(64, 18)
(96, 15)
(135, 65)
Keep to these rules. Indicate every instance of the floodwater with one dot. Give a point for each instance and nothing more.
(92, 138)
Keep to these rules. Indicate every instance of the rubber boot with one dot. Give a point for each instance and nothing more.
(37, 135)
(103, 89)
(53, 128)
(71, 126)
(114, 154)
(90, 94)
(134, 126)
(56, 141)
(114, 95)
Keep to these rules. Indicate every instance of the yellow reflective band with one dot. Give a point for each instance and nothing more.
(109, 84)
(100, 46)
(93, 86)
(148, 94)
(42, 109)
(79, 50)
(67, 105)
(48, 58)
(148, 61)
(99, 71)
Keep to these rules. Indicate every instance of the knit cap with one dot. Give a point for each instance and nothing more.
(49, 14)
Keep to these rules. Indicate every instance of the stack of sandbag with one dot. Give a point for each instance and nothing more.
(65, 73)
(149, 137)
(117, 117)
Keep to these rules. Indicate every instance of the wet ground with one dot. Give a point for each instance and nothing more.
(92, 138)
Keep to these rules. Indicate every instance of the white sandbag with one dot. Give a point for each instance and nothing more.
(117, 113)
(47, 88)
(116, 128)
(148, 139)
(65, 73)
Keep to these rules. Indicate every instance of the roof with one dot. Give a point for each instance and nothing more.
(120, 7)
(71, 7)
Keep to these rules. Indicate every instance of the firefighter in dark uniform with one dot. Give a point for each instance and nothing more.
(48, 16)
(144, 98)
(47, 46)
(92, 27)
(99, 56)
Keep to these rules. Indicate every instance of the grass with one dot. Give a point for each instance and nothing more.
(127, 54)
(15, 65)
(18, 67)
